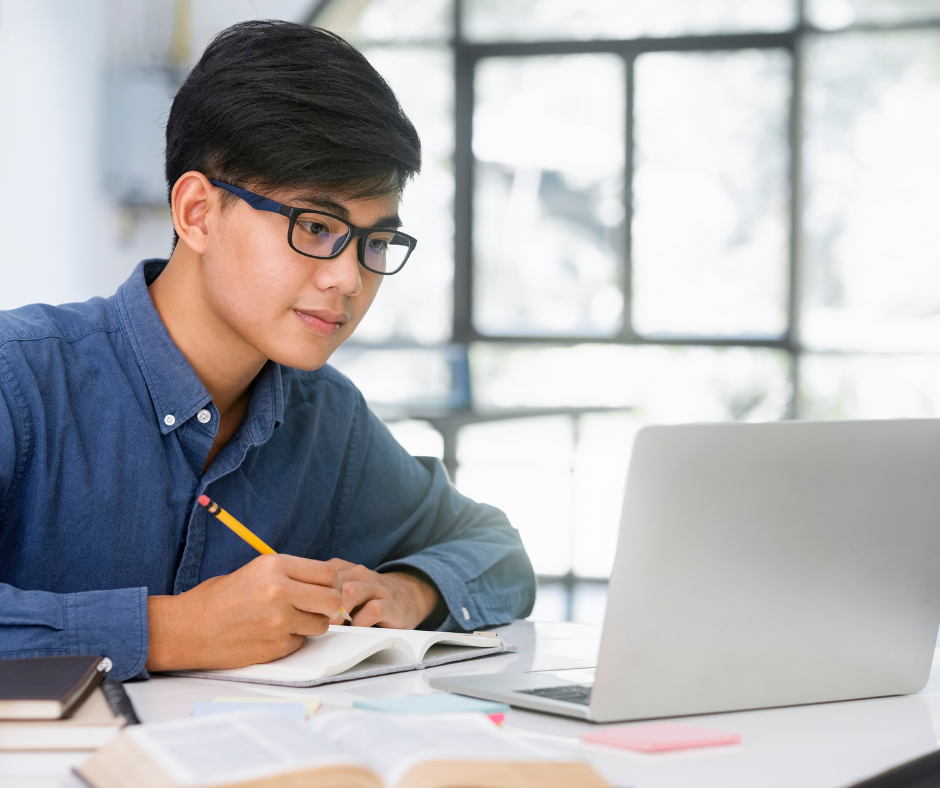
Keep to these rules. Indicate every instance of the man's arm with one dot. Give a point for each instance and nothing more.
(38, 623)
(472, 556)
(262, 611)
(42, 624)
(258, 613)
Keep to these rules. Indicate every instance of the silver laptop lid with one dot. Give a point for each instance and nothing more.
(773, 564)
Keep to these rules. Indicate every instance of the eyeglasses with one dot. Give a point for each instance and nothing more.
(324, 236)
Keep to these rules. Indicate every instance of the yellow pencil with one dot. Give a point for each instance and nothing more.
(244, 533)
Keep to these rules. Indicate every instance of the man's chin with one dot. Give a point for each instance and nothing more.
(302, 359)
(303, 363)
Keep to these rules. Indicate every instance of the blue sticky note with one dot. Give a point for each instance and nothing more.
(292, 711)
(439, 703)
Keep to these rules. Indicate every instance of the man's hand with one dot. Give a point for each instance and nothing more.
(258, 613)
(392, 599)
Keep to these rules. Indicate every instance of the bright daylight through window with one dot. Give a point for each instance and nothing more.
(654, 211)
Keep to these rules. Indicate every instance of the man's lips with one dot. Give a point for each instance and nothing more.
(322, 321)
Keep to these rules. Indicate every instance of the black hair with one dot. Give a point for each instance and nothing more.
(274, 104)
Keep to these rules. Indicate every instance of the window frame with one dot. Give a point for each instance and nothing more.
(466, 56)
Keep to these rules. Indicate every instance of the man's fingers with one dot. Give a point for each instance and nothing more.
(356, 593)
(306, 570)
(307, 624)
(340, 566)
(347, 572)
(370, 614)
(310, 598)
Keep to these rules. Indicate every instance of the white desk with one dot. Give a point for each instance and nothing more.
(825, 746)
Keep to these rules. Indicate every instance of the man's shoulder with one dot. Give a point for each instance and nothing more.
(64, 323)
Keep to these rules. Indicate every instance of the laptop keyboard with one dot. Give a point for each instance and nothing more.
(570, 693)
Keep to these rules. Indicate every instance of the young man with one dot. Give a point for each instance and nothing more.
(205, 375)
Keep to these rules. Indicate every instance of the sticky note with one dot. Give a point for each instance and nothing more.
(660, 737)
(292, 711)
(311, 702)
(437, 703)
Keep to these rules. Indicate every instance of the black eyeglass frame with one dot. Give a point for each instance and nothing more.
(260, 203)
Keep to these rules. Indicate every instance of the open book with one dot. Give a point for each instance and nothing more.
(348, 749)
(345, 653)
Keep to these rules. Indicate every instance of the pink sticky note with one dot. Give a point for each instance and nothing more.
(660, 736)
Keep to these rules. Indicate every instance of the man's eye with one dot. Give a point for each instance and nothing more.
(377, 245)
(314, 228)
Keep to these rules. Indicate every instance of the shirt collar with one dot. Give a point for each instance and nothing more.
(266, 409)
(175, 388)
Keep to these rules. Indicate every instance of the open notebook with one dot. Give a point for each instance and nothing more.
(346, 653)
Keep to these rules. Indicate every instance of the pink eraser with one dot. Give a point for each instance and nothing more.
(204, 500)
(660, 736)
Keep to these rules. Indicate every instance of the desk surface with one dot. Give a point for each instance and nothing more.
(826, 746)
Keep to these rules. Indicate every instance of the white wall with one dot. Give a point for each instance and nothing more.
(62, 238)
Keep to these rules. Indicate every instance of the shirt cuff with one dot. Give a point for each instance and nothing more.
(113, 624)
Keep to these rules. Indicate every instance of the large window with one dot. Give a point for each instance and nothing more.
(650, 211)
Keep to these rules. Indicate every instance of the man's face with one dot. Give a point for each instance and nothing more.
(293, 309)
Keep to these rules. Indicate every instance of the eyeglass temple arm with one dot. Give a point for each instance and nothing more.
(254, 200)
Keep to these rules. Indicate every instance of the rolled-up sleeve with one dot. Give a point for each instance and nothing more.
(468, 549)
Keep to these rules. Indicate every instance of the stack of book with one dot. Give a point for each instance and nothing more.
(57, 703)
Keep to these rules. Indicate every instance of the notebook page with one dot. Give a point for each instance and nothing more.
(232, 748)
(421, 641)
(326, 655)
(391, 745)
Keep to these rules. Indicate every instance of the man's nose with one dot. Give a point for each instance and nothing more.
(342, 272)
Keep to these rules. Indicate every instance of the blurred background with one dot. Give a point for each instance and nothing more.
(631, 212)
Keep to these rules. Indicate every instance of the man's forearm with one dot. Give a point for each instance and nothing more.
(111, 623)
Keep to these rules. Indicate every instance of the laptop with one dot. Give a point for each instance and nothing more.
(760, 565)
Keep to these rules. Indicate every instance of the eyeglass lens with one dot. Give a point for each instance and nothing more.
(384, 251)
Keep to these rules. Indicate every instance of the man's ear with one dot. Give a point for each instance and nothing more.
(192, 200)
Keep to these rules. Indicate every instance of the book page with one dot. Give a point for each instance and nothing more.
(390, 745)
(225, 749)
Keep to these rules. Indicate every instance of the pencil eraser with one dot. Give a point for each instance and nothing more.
(660, 737)
(204, 500)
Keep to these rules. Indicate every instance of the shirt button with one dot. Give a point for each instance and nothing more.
(466, 613)
(169, 419)
(204, 416)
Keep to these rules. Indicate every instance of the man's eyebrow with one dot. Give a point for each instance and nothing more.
(317, 202)
(392, 221)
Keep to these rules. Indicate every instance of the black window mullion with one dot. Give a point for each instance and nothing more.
(628, 334)
(464, 66)
(795, 139)
(703, 43)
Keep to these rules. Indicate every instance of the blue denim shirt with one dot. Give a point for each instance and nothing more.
(101, 457)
